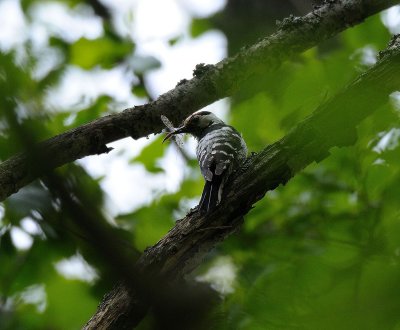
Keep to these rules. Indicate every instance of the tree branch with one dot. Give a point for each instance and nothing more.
(332, 124)
(210, 83)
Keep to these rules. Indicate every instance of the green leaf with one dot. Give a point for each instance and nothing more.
(371, 32)
(259, 112)
(99, 107)
(73, 298)
(149, 156)
(149, 224)
(199, 26)
(29, 198)
(104, 52)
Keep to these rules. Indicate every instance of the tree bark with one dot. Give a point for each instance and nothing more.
(332, 124)
(210, 83)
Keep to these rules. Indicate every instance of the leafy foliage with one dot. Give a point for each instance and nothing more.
(321, 252)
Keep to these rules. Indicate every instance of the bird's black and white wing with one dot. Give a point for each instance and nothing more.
(219, 151)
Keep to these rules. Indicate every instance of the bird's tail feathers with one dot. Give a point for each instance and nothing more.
(211, 194)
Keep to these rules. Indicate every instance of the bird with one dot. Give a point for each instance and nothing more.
(220, 151)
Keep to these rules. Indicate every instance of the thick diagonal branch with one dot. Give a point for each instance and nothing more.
(332, 124)
(211, 83)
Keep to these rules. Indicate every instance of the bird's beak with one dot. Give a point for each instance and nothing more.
(176, 131)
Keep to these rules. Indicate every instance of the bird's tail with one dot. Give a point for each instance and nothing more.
(210, 196)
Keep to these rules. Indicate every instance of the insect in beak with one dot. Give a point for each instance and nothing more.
(176, 131)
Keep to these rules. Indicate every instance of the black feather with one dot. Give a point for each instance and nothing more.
(209, 197)
(205, 196)
(214, 191)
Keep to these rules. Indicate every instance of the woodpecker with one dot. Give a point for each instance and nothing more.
(220, 151)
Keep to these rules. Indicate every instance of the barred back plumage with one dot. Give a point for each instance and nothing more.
(220, 151)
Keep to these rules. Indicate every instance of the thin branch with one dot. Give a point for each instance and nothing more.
(210, 83)
(332, 124)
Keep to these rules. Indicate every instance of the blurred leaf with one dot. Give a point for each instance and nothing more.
(142, 64)
(99, 107)
(173, 41)
(149, 224)
(371, 32)
(149, 156)
(259, 109)
(26, 4)
(199, 26)
(29, 198)
(105, 52)
(140, 91)
(65, 295)
(321, 252)
(76, 177)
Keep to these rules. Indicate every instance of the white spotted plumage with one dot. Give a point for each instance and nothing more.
(223, 148)
(220, 151)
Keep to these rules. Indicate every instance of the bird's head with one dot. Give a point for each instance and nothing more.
(195, 124)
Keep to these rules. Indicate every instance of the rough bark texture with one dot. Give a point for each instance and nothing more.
(332, 124)
(210, 83)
